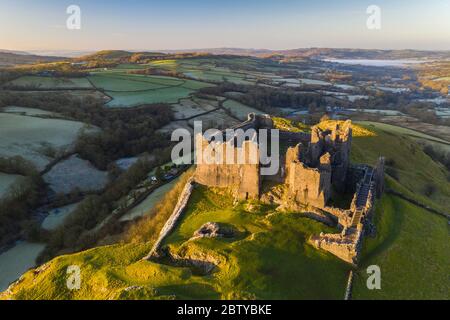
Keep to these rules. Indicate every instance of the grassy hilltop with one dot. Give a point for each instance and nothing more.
(268, 258)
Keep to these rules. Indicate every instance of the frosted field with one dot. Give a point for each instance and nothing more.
(17, 260)
(75, 173)
(28, 111)
(217, 119)
(131, 99)
(393, 90)
(353, 98)
(239, 110)
(187, 108)
(7, 181)
(344, 86)
(26, 136)
(315, 82)
(379, 111)
(51, 82)
(443, 113)
(57, 216)
(145, 206)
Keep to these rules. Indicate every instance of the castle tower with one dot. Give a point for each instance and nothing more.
(341, 143)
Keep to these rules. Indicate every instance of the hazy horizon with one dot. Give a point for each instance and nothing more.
(175, 24)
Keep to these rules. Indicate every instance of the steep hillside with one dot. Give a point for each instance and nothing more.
(267, 257)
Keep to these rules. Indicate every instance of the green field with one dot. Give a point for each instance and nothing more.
(51, 82)
(414, 168)
(129, 90)
(411, 246)
(412, 249)
(401, 130)
(268, 259)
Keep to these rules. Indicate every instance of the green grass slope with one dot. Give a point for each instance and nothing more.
(268, 258)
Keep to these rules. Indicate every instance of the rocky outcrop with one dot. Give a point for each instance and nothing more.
(213, 230)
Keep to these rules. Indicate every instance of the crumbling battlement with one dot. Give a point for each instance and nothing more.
(242, 171)
(315, 167)
(356, 221)
(311, 168)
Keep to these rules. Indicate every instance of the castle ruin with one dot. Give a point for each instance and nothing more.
(314, 167)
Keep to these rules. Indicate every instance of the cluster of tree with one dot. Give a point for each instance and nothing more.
(124, 132)
(16, 205)
(147, 228)
(436, 76)
(17, 165)
(8, 75)
(424, 112)
(158, 72)
(269, 99)
(79, 231)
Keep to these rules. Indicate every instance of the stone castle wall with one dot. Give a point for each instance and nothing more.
(243, 177)
(310, 171)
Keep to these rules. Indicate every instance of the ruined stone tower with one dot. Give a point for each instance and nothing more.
(240, 174)
(312, 169)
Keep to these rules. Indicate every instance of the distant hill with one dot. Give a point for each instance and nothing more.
(337, 53)
(12, 58)
(118, 55)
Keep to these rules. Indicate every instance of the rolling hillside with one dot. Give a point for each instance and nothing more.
(12, 58)
(268, 257)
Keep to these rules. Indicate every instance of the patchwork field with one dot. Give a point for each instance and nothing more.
(239, 110)
(51, 82)
(188, 108)
(217, 119)
(75, 173)
(30, 137)
(128, 90)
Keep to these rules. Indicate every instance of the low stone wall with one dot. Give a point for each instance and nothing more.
(171, 222)
(348, 290)
(342, 246)
(347, 244)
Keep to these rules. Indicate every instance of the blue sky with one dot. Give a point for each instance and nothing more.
(187, 24)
